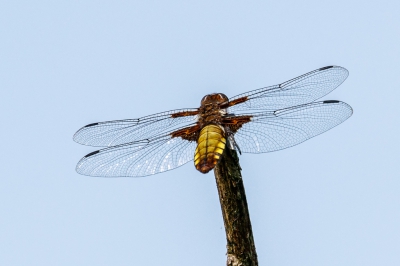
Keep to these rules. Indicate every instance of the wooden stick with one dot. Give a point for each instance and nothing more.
(241, 250)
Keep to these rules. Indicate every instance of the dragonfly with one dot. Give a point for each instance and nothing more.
(259, 121)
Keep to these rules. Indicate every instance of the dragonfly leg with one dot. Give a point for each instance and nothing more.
(232, 144)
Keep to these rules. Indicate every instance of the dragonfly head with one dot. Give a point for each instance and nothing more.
(214, 98)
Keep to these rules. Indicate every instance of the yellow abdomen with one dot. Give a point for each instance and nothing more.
(210, 146)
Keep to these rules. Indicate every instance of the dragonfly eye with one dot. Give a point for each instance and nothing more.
(204, 100)
(222, 98)
(214, 98)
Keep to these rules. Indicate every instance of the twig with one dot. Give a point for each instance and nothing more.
(241, 250)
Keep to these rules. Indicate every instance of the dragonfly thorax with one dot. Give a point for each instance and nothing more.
(210, 111)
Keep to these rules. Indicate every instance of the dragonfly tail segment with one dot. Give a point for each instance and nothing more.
(210, 146)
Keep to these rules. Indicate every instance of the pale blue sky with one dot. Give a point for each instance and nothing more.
(333, 200)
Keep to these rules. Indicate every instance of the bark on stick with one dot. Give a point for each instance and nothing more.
(241, 250)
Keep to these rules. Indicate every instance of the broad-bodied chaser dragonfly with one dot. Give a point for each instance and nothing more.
(258, 121)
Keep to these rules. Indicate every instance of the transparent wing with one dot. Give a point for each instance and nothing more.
(139, 158)
(118, 132)
(272, 131)
(301, 90)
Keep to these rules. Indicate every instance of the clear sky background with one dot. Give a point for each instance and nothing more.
(333, 200)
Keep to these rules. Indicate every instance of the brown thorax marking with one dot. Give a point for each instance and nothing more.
(212, 111)
(234, 102)
(184, 113)
(187, 133)
(236, 122)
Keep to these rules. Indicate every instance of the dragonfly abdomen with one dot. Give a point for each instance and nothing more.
(210, 146)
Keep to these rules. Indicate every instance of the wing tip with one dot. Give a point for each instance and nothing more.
(77, 134)
(90, 154)
(75, 138)
(324, 68)
(342, 103)
(331, 101)
(92, 124)
(333, 66)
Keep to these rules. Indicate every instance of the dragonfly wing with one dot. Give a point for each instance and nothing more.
(139, 158)
(301, 90)
(118, 132)
(281, 129)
